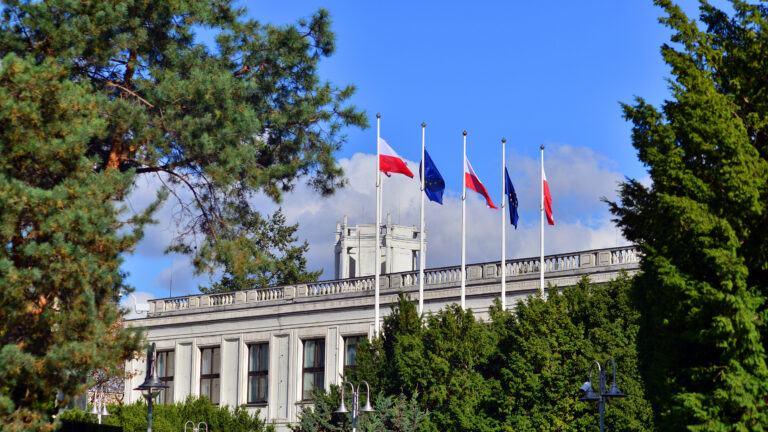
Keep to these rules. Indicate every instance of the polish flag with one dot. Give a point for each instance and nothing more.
(547, 198)
(471, 181)
(391, 162)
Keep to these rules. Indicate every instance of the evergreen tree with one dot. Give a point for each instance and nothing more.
(439, 358)
(61, 239)
(285, 263)
(397, 413)
(702, 223)
(545, 350)
(245, 114)
(520, 371)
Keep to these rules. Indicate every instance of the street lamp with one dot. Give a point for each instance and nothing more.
(99, 405)
(589, 394)
(196, 427)
(152, 385)
(356, 402)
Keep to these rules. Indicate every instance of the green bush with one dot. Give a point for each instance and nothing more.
(393, 414)
(171, 417)
(520, 370)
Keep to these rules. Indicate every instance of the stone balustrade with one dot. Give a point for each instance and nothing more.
(435, 277)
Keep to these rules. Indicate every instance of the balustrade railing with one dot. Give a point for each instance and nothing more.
(222, 299)
(432, 277)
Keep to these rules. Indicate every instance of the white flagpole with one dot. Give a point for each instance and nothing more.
(463, 222)
(503, 226)
(422, 258)
(377, 254)
(541, 263)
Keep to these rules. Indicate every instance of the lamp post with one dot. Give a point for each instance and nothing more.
(589, 394)
(356, 402)
(99, 406)
(196, 427)
(152, 385)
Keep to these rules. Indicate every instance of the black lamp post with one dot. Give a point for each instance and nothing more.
(589, 394)
(152, 385)
(356, 402)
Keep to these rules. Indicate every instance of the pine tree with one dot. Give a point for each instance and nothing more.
(702, 223)
(286, 263)
(61, 238)
(245, 114)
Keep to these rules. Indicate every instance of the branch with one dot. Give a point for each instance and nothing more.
(129, 91)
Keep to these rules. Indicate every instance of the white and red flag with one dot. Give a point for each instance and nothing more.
(547, 198)
(391, 162)
(471, 181)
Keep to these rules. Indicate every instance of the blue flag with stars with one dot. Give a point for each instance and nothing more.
(512, 198)
(434, 185)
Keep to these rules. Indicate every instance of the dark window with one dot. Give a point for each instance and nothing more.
(258, 372)
(350, 352)
(314, 366)
(210, 365)
(165, 373)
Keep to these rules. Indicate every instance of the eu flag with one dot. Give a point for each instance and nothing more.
(512, 198)
(433, 181)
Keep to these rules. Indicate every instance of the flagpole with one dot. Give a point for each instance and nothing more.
(463, 223)
(376, 253)
(541, 263)
(422, 258)
(503, 226)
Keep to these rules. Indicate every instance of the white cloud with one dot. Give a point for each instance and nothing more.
(578, 178)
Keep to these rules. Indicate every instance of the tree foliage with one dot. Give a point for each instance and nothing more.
(286, 263)
(520, 371)
(60, 281)
(172, 417)
(93, 94)
(397, 413)
(244, 114)
(701, 223)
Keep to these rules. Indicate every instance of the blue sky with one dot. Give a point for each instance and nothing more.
(550, 73)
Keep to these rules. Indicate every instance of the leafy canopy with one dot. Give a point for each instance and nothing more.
(392, 413)
(245, 114)
(520, 371)
(61, 239)
(702, 223)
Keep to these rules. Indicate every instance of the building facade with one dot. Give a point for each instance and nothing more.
(267, 348)
(355, 249)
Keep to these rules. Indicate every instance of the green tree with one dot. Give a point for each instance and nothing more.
(520, 371)
(440, 357)
(701, 223)
(545, 349)
(221, 122)
(61, 240)
(397, 413)
(285, 263)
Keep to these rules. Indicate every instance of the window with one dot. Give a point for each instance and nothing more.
(210, 364)
(258, 373)
(314, 366)
(165, 373)
(350, 352)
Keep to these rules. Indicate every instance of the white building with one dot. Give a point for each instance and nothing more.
(267, 348)
(356, 245)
